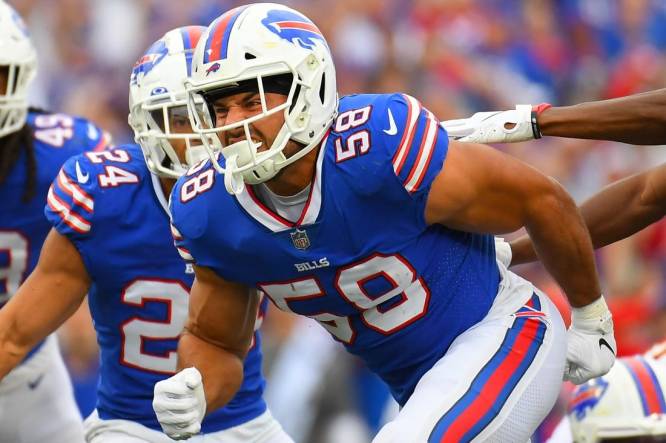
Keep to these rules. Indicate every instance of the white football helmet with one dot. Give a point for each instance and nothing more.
(626, 403)
(157, 99)
(263, 47)
(19, 58)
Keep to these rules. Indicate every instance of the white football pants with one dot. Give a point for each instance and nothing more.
(36, 401)
(497, 381)
(263, 429)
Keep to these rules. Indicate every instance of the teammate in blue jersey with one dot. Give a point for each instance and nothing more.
(36, 400)
(111, 239)
(361, 215)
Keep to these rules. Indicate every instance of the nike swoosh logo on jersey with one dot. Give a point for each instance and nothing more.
(33, 384)
(80, 176)
(93, 132)
(603, 342)
(393, 129)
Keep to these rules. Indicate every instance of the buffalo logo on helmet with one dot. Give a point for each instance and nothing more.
(293, 27)
(149, 60)
(213, 68)
(586, 397)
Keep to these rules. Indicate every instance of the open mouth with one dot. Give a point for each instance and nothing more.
(233, 140)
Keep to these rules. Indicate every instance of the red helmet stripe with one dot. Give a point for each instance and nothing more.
(300, 25)
(216, 37)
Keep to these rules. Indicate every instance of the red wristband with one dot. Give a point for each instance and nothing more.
(541, 107)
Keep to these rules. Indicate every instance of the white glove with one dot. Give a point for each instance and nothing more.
(503, 251)
(591, 347)
(516, 125)
(180, 404)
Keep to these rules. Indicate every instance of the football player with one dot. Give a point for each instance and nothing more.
(111, 239)
(36, 399)
(620, 209)
(360, 214)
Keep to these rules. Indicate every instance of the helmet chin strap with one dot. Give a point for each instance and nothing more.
(195, 154)
(232, 182)
(243, 153)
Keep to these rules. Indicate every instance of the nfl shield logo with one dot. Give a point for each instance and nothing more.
(300, 239)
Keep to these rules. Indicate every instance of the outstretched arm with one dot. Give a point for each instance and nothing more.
(616, 212)
(49, 296)
(638, 119)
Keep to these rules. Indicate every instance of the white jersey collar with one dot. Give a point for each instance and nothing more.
(264, 215)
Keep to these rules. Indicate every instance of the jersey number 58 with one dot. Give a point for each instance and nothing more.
(409, 294)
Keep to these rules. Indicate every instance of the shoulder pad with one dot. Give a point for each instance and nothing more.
(394, 132)
(82, 182)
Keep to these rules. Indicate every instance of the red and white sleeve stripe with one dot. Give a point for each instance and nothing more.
(80, 197)
(177, 238)
(426, 149)
(72, 219)
(413, 111)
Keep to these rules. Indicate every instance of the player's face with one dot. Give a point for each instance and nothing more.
(179, 123)
(237, 107)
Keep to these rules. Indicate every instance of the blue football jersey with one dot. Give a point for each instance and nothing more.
(114, 211)
(23, 227)
(361, 259)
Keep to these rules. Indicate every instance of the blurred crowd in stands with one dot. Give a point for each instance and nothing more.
(456, 56)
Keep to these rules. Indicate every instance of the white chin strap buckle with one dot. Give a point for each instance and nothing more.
(238, 155)
(233, 182)
(244, 151)
(195, 154)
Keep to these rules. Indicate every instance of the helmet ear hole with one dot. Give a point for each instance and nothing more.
(297, 92)
(322, 88)
(4, 80)
(249, 56)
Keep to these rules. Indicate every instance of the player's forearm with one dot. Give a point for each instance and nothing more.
(611, 215)
(562, 243)
(221, 370)
(622, 208)
(636, 119)
(39, 307)
(616, 212)
(11, 351)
